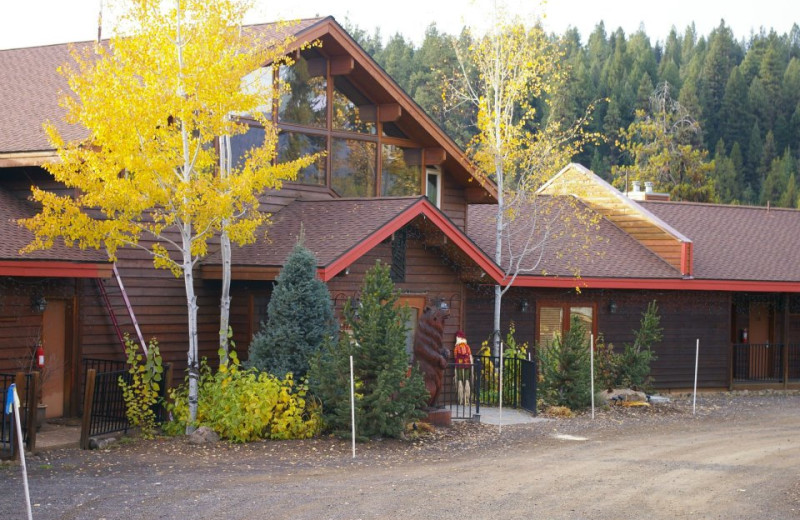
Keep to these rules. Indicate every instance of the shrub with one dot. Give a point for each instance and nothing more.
(565, 370)
(300, 319)
(388, 393)
(631, 367)
(141, 394)
(244, 405)
(634, 360)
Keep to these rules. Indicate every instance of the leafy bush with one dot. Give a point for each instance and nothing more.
(388, 394)
(141, 394)
(244, 405)
(631, 367)
(565, 370)
(300, 319)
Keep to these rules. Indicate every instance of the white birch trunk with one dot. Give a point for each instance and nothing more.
(187, 263)
(225, 252)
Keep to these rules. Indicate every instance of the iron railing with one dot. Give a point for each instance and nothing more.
(484, 378)
(104, 400)
(28, 400)
(766, 362)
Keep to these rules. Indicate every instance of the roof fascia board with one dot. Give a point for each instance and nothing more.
(693, 284)
(54, 269)
(38, 158)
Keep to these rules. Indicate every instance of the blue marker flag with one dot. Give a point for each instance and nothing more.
(10, 399)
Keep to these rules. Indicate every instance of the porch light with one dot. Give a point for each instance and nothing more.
(612, 307)
(524, 306)
(38, 303)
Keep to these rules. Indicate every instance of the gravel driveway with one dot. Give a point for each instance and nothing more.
(738, 458)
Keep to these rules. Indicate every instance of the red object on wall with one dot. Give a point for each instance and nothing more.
(39, 357)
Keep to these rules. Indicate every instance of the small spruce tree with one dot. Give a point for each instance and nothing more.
(300, 319)
(565, 368)
(387, 395)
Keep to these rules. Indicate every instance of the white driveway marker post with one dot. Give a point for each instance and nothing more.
(12, 404)
(696, 361)
(353, 405)
(591, 370)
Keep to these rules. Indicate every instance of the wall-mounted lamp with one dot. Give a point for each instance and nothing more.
(524, 306)
(612, 307)
(38, 303)
(443, 306)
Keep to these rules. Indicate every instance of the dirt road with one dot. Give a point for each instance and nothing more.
(738, 458)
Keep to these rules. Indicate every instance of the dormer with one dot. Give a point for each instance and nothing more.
(642, 225)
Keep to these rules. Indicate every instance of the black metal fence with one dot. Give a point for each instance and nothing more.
(766, 362)
(26, 392)
(104, 401)
(466, 389)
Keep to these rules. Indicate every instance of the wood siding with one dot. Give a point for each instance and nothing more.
(685, 317)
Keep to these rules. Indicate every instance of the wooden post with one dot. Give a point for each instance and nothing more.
(785, 347)
(33, 402)
(88, 398)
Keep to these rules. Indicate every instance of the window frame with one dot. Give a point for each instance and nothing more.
(565, 316)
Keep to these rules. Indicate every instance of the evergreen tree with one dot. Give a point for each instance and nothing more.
(300, 318)
(565, 368)
(388, 397)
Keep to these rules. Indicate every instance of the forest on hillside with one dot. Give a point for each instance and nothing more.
(742, 94)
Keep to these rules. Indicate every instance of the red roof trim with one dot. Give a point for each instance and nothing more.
(54, 269)
(659, 283)
(421, 207)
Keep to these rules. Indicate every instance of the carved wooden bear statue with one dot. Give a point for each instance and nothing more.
(429, 353)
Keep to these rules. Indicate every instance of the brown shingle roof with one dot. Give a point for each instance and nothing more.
(332, 227)
(15, 237)
(737, 242)
(30, 87)
(608, 253)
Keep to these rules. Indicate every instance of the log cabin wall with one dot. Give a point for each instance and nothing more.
(685, 317)
(428, 274)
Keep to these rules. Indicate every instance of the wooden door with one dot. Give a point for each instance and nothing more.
(53, 341)
(416, 305)
(760, 336)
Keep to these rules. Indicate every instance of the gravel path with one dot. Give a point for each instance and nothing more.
(737, 458)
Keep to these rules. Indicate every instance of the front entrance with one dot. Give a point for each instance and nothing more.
(762, 357)
(54, 336)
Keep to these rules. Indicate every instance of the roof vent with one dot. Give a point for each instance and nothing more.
(648, 187)
(637, 186)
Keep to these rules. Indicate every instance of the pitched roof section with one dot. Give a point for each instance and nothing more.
(645, 227)
(575, 247)
(29, 93)
(30, 86)
(338, 232)
(58, 261)
(737, 242)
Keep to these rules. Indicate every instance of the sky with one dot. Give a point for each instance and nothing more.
(25, 23)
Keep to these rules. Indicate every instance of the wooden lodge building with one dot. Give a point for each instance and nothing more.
(393, 186)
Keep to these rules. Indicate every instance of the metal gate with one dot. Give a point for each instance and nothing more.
(528, 385)
(518, 386)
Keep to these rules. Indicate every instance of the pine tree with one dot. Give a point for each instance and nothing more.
(565, 368)
(387, 396)
(300, 318)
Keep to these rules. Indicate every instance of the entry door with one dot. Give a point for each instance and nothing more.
(53, 340)
(759, 338)
(416, 304)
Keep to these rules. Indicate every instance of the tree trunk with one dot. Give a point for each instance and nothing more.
(225, 298)
(191, 305)
(225, 252)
